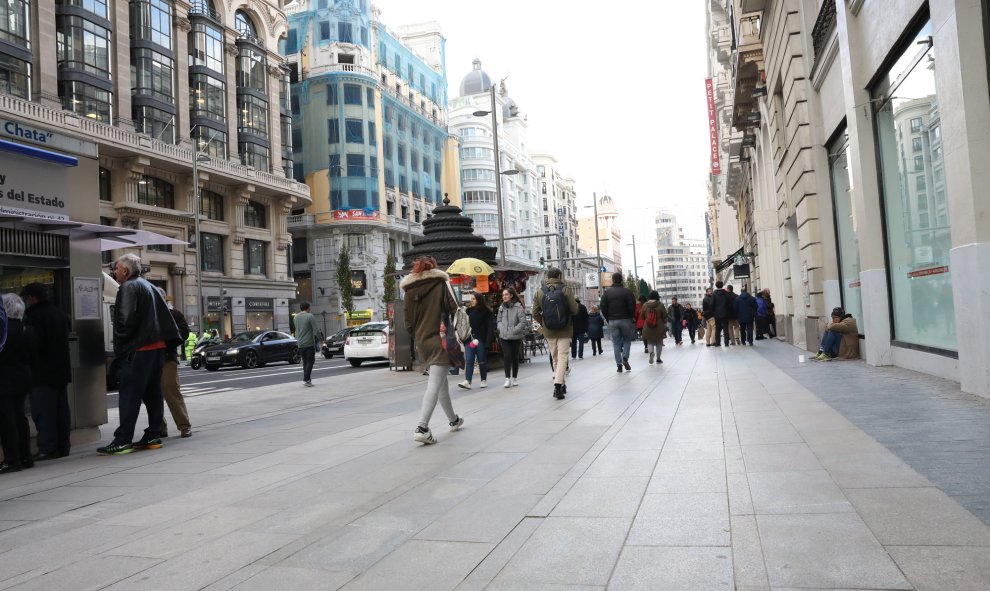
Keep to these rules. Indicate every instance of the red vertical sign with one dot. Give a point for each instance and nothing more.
(712, 128)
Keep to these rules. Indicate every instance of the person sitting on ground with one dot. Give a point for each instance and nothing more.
(841, 338)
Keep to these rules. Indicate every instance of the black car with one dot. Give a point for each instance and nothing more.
(334, 344)
(254, 348)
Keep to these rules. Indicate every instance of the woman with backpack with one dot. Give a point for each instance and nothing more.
(427, 298)
(511, 324)
(476, 347)
(654, 318)
(596, 330)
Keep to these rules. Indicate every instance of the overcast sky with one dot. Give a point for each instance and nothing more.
(616, 91)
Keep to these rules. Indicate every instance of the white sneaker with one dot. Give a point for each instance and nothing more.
(484, 383)
(424, 437)
(465, 384)
(456, 425)
(508, 382)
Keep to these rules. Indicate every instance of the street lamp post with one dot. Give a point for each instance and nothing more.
(653, 264)
(498, 176)
(635, 266)
(197, 158)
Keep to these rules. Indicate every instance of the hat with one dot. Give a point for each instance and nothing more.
(36, 290)
(838, 311)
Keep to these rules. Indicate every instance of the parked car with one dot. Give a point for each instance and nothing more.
(252, 349)
(334, 344)
(368, 342)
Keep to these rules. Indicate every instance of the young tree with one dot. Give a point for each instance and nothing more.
(644, 289)
(388, 291)
(631, 284)
(344, 280)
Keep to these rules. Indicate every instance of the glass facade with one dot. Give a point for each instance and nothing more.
(212, 249)
(157, 192)
(83, 45)
(915, 202)
(86, 100)
(254, 257)
(846, 229)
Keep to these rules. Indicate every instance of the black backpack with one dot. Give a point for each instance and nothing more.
(555, 313)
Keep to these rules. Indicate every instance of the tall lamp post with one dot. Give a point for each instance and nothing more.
(197, 158)
(498, 175)
(635, 265)
(653, 264)
(598, 241)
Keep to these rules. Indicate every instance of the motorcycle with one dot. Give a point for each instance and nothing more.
(196, 361)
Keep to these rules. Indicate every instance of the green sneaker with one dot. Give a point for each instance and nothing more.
(115, 449)
(148, 444)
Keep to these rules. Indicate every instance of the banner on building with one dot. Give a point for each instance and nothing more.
(355, 214)
(712, 127)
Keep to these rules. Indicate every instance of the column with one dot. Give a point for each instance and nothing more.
(182, 26)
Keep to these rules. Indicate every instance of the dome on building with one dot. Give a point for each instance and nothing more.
(606, 206)
(477, 81)
(510, 108)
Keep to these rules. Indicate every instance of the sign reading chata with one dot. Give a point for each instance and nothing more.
(259, 305)
(712, 128)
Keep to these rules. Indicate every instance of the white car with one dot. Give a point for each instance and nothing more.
(368, 342)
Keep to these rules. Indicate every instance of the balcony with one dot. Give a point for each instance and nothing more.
(331, 68)
(305, 220)
(748, 69)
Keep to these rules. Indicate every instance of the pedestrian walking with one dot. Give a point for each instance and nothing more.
(143, 330)
(47, 329)
(15, 375)
(511, 325)
(690, 320)
(428, 300)
(733, 320)
(721, 304)
(639, 321)
(580, 330)
(654, 326)
(306, 337)
(554, 308)
(171, 389)
(708, 315)
(675, 314)
(619, 309)
(476, 347)
(762, 320)
(596, 330)
(745, 305)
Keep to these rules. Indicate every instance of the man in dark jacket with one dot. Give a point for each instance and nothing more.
(143, 329)
(580, 328)
(619, 308)
(745, 305)
(721, 305)
(733, 321)
(708, 314)
(675, 314)
(47, 329)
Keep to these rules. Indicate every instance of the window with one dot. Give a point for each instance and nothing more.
(352, 94)
(254, 155)
(847, 230)
(154, 122)
(478, 174)
(253, 115)
(207, 97)
(916, 144)
(15, 77)
(254, 215)
(210, 141)
(357, 199)
(300, 252)
(369, 98)
(206, 47)
(14, 22)
(82, 45)
(364, 36)
(152, 74)
(151, 20)
(345, 33)
(543, 188)
(154, 191)
(254, 257)
(243, 24)
(919, 271)
(354, 131)
(372, 134)
(212, 252)
(332, 97)
(211, 205)
(355, 165)
(373, 166)
(251, 69)
(324, 31)
(333, 131)
(334, 165)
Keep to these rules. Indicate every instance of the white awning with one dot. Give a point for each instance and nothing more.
(110, 237)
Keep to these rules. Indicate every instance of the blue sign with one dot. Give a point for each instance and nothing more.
(603, 269)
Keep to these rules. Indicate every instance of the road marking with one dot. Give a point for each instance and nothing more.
(252, 376)
(206, 391)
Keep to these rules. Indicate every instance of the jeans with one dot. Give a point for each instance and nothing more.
(577, 346)
(475, 353)
(622, 332)
(308, 355)
(722, 328)
(830, 343)
(140, 381)
(50, 411)
(746, 332)
(676, 328)
(511, 349)
(437, 389)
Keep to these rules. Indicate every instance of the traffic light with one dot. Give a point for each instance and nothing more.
(543, 263)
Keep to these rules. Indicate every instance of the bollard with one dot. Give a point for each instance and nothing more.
(801, 359)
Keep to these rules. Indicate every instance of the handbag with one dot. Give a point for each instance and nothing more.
(460, 320)
(450, 343)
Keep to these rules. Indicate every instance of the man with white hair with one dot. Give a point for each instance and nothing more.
(143, 329)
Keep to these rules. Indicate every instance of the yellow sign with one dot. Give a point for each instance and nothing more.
(360, 314)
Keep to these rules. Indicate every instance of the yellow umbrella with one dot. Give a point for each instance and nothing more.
(470, 266)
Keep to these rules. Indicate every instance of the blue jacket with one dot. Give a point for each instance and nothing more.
(596, 326)
(745, 306)
(761, 307)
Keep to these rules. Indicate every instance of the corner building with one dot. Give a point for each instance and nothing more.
(370, 140)
(860, 180)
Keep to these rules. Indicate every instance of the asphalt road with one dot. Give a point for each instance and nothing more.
(203, 383)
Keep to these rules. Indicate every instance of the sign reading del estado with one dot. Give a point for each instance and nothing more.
(29, 187)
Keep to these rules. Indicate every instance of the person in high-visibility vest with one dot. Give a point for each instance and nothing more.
(190, 345)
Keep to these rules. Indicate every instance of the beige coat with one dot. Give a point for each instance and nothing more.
(849, 346)
(426, 298)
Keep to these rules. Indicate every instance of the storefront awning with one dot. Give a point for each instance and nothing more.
(729, 261)
(110, 237)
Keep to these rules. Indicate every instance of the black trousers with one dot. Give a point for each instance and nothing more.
(15, 433)
(722, 328)
(50, 411)
(511, 351)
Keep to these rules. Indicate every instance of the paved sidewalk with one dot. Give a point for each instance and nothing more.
(720, 469)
